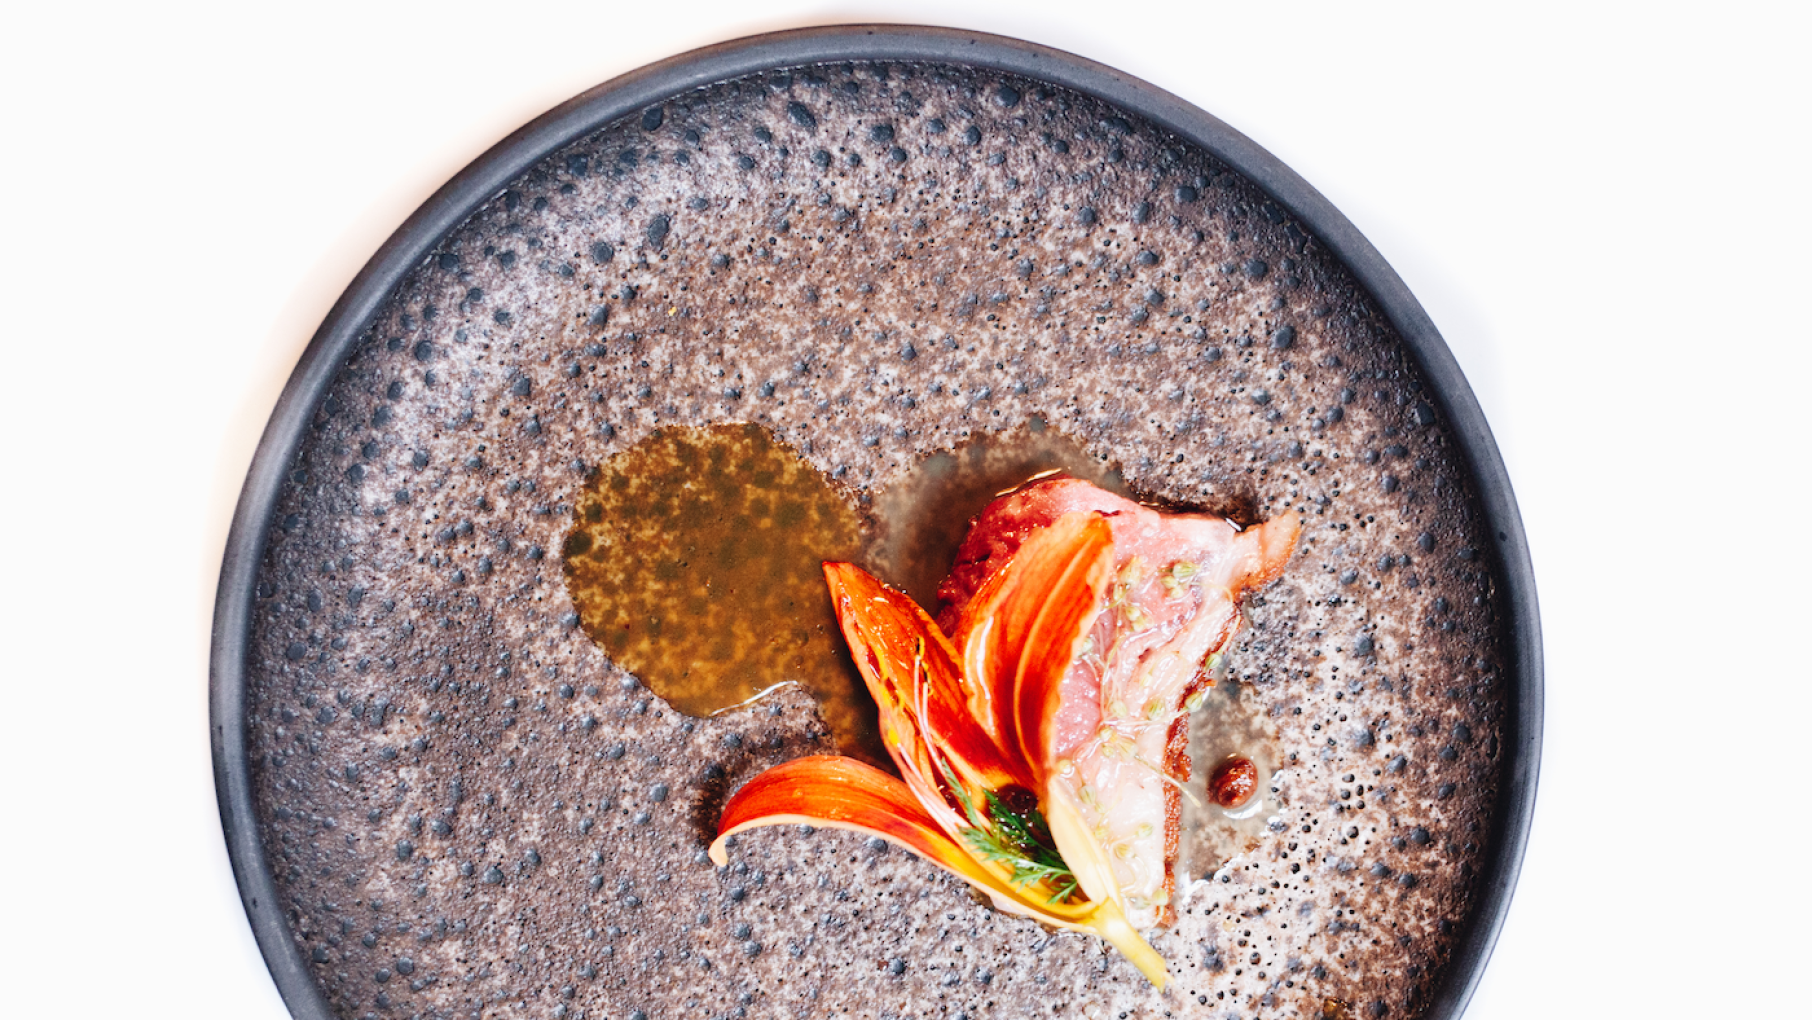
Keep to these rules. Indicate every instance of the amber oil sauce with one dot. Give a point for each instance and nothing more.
(694, 561)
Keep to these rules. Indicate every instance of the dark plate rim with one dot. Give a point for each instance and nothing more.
(490, 173)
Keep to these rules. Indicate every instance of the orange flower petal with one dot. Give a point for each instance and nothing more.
(1020, 630)
(844, 793)
(912, 671)
(847, 794)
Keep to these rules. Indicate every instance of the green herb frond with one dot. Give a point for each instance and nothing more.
(1022, 842)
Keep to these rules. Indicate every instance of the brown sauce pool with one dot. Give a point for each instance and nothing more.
(694, 562)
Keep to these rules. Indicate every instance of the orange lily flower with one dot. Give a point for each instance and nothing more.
(968, 732)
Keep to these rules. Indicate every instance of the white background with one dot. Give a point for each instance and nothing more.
(1604, 210)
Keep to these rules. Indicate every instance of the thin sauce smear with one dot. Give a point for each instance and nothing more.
(925, 512)
(1228, 726)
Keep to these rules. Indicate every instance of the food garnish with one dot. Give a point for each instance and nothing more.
(1072, 618)
(1233, 781)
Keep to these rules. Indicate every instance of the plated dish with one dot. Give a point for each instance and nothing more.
(879, 248)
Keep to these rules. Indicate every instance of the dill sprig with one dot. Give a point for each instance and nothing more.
(1022, 841)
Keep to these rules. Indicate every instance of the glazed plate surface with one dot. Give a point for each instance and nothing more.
(444, 800)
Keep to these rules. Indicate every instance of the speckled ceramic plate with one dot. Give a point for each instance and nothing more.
(443, 800)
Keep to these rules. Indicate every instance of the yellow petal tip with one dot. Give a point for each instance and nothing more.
(1111, 925)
